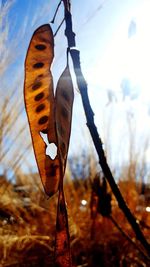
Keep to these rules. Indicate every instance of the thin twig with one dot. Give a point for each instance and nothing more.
(59, 27)
(128, 237)
(53, 20)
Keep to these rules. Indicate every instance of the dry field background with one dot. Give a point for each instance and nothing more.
(27, 226)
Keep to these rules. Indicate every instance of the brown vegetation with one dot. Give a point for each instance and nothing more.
(27, 226)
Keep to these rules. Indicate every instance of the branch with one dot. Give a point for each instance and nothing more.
(128, 238)
(82, 85)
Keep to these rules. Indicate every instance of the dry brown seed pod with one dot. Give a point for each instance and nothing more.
(39, 102)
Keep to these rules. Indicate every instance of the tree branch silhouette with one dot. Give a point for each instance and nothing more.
(82, 85)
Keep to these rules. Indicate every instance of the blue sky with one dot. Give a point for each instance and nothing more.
(107, 56)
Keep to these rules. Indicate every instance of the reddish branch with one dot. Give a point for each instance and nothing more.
(82, 85)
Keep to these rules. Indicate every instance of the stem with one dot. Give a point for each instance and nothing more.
(128, 238)
(62, 238)
(62, 257)
(82, 85)
(53, 20)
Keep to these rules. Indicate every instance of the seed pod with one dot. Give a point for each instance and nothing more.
(64, 103)
(39, 103)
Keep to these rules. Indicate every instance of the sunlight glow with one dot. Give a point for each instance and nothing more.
(83, 202)
(126, 57)
(148, 209)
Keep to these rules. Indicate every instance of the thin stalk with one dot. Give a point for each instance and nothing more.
(128, 238)
(62, 238)
(53, 20)
(62, 257)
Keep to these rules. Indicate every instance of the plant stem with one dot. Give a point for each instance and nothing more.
(128, 238)
(82, 85)
(62, 238)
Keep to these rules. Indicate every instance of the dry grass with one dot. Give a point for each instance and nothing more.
(27, 227)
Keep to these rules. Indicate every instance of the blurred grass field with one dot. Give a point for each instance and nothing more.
(27, 226)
